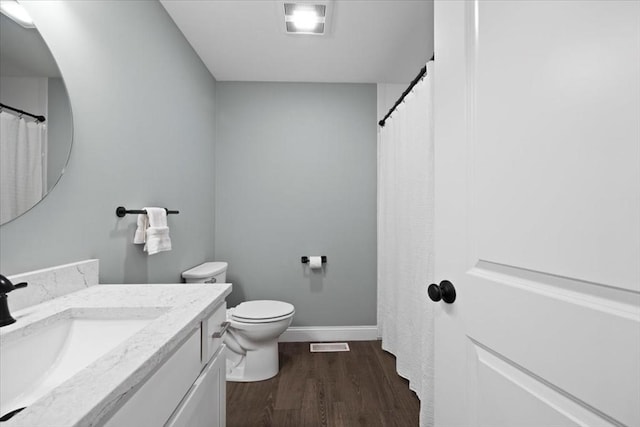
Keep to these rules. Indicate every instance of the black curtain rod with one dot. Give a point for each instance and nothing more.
(41, 119)
(414, 82)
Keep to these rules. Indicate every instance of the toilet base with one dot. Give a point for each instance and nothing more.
(256, 365)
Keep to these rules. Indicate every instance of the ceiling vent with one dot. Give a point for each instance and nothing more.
(306, 17)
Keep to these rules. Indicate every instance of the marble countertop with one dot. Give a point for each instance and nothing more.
(90, 396)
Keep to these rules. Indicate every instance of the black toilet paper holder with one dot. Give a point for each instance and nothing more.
(305, 259)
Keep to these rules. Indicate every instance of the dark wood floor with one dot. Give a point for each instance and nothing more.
(356, 388)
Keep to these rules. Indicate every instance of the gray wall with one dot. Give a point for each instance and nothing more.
(296, 175)
(143, 106)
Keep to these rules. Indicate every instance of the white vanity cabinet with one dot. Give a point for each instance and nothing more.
(188, 389)
(204, 405)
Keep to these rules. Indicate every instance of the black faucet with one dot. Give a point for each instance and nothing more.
(5, 287)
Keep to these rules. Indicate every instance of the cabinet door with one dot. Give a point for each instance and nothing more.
(205, 404)
(215, 323)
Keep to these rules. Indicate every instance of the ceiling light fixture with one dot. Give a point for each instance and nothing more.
(306, 16)
(304, 20)
(16, 12)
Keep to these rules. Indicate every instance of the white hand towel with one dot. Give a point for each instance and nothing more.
(157, 234)
(140, 236)
(158, 240)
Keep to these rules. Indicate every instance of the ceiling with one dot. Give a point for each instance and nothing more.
(368, 41)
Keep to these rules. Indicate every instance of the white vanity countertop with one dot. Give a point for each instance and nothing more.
(93, 393)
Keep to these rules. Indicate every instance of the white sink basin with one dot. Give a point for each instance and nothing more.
(36, 359)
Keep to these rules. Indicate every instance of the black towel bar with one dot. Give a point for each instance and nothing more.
(122, 211)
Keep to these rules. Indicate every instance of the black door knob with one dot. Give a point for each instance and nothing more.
(445, 292)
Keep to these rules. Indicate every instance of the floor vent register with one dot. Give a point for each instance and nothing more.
(327, 347)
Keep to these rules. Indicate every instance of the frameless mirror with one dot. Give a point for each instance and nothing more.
(33, 153)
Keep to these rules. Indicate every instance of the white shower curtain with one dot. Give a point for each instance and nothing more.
(405, 240)
(22, 165)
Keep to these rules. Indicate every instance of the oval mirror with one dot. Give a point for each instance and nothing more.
(36, 127)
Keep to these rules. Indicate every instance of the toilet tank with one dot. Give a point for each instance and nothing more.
(209, 272)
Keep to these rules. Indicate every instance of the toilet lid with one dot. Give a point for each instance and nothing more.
(262, 310)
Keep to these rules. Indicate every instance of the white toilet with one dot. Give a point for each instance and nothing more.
(255, 326)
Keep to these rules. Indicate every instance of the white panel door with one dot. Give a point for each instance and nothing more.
(537, 151)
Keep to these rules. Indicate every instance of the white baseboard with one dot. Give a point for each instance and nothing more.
(329, 333)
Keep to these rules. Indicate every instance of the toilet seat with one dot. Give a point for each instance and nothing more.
(262, 311)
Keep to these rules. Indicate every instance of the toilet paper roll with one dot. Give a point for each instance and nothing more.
(315, 262)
